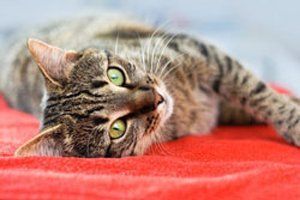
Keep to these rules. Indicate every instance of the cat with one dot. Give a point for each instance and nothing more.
(121, 86)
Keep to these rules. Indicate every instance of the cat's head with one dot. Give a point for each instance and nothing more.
(97, 104)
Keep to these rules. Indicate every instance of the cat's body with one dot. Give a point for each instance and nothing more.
(176, 85)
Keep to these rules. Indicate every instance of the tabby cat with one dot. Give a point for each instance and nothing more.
(121, 86)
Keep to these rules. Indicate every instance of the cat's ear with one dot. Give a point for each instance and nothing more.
(44, 144)
(55, 63)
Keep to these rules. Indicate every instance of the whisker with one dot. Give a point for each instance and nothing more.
(164, 48)
(169, 152)
(162, 149)
(154, 53)
(158, 149)
(142, 52)
(161, 42)
(159, 28)
(148, 48)
(155, 148)
(170, 70)
(165, 66)
(162, 75)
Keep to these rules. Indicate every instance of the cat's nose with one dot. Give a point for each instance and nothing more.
(148, 95)
(158, 99)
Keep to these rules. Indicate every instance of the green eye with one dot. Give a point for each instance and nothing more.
(117, 129)
(116, 76)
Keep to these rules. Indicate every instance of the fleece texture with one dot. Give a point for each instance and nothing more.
(232, 163)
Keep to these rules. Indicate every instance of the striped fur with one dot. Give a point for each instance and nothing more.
(201, 86)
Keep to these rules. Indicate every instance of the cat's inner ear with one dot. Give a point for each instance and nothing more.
(45, 143)
(55, 63)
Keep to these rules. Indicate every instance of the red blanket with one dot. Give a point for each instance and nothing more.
(232, 163)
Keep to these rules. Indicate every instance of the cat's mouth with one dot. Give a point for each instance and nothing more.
(159, 109)
(165, 105)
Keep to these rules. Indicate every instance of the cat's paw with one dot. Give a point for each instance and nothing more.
(292, 132)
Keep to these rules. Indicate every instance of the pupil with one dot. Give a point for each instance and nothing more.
(116, 128)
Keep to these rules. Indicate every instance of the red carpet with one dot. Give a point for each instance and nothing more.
(232, 163)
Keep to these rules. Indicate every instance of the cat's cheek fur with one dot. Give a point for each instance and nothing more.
(143, 145)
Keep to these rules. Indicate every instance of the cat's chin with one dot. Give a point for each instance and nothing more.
(165, 109)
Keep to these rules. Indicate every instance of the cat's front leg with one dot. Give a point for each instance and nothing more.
(239, 86)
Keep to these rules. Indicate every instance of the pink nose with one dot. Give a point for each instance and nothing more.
(146, 97)
(158, 99)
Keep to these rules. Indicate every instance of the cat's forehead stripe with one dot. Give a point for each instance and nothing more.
(75, 94)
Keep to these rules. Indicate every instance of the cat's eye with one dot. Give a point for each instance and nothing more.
(117, 129)
(116, 76)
